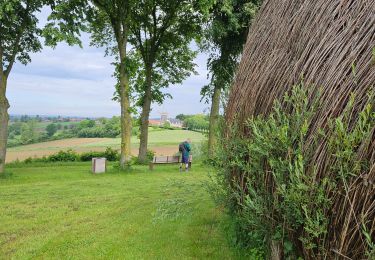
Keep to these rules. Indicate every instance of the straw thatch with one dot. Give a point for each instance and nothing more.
(329, 44)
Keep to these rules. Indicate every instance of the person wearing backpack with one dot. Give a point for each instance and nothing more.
(185, 148)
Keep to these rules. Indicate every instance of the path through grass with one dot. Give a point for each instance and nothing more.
(65, 212)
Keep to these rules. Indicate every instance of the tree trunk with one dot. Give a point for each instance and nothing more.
(4, 118)
(214, 118)
(276, 252)
(126, 119)
(142, 156)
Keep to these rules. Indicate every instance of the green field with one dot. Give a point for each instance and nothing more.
(64, 212)
(162, 141)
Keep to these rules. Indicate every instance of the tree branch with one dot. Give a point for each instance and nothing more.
(138, 37)
(165, 26)
(14, 54)
(17, 42)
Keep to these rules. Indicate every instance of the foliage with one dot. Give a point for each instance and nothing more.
(110, 154)
(167, 124)
(270, 189)
(51, 129)
(21, 133)
(149, 157)
(64, 156)
(87, 123)
(197, 122)
(109, 23)
(161, 34)
(20, 31)
(104, 128)
(72, 156)
(181, 117)
(224, 37)
(30, 131)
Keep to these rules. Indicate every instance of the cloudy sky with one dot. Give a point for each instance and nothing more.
(71, 81)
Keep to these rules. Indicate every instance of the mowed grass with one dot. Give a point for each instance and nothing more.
(163, 142)
(66, 212)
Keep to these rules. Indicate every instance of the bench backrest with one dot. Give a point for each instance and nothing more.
(169, 159)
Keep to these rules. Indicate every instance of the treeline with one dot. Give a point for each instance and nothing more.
(198, 123)
(24, 133)
(30, 130)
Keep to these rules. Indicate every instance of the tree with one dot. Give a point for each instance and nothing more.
(108, 21)
(224, 38)
(51, 129)
(20, 35)
(161, 33)
(28, 132)
(87, 123)
(181, 117)
(115, 15)
(197, 122)
(167, 125)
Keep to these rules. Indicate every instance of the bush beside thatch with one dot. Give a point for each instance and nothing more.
(329, 46)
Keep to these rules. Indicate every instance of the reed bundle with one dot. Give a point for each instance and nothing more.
(329, 45)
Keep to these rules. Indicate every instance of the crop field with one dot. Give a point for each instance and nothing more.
(65, 212)
(163, 142)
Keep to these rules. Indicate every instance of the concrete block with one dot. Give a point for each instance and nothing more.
(99, 165)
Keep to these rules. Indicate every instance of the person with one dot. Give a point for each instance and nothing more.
(185, 149)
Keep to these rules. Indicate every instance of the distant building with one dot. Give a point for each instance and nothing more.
(176, 123)
(163, 117)
(154, 122)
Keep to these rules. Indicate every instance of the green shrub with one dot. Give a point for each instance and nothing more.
(135, 131)
(85, 157)
(64, 156)
(109, 153)
(273, 195)
(150, 155)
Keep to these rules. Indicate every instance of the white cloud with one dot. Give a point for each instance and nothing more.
(72, 81)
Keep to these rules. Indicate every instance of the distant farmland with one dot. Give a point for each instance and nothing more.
(163, 142)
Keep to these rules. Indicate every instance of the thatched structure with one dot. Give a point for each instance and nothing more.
(330, 45)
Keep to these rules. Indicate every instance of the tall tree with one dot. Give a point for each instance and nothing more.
(109, 24)
(19, 36)
(116, 13)
(224, 37)
(162, 31)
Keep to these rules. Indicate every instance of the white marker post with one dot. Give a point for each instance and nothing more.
(99, 165)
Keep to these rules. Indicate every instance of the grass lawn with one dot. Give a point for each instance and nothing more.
(65, 212)
(163, 142)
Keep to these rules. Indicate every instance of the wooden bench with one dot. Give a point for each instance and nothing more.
(168, 160)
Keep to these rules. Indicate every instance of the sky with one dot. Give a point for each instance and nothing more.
(74, 81)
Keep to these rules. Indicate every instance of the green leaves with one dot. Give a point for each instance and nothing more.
(224, 37)
(161, 33)
(270, 183)
(19, 31)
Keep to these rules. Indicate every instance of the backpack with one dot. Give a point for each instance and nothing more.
(181, 147)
